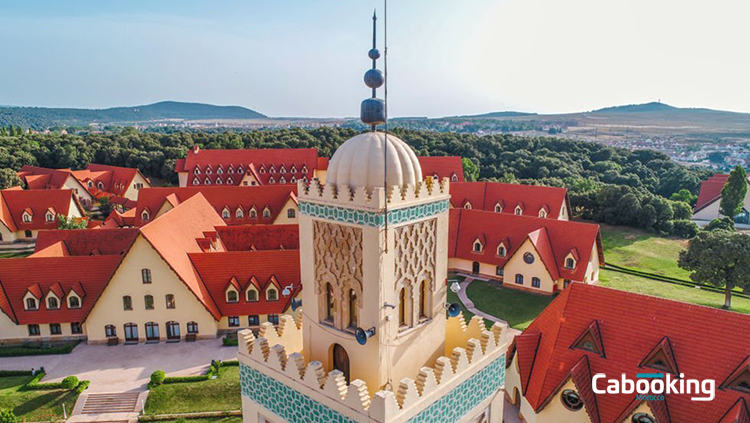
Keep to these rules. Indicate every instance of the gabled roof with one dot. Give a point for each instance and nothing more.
(84, 242)
(44, 178)
(115, 180)
(442, 166)
(216, 269)
(711, 190)
(174, 235)
(739, 413)
(552, 238)
(274, 196)
(85, 273)
(37, 202)
(485, 195)
(276, 158)
(631, 324)
(260, 237)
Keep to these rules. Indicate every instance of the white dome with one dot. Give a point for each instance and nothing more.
(359, 162)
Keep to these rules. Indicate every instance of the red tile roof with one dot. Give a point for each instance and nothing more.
(217, 270)
(708, 343)
(37, 202)
(44, 178)
(259, 237)
(174, 235)
(532, 198)
(18, 275)
(296, 163)
(272, 196)
(553, 239)
(84, 242)
(442, 166)
(114, 180)
(711, 190)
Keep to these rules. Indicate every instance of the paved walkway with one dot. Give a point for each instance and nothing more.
(124, 367)
(510, 412)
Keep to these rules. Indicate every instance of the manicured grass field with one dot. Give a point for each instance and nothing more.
(38, 349)
(640, 285)
(34, 406)
(518, 308)
(219, 394)
(643, 251)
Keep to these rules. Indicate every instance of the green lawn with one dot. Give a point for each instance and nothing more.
(518, 308)
(643, 251)
(640, 285)
(34, 406)
(220, 394)
(231, 419)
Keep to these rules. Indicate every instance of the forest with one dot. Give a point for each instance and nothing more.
(606, 184)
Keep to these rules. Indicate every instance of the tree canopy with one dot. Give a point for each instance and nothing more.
(733, 193)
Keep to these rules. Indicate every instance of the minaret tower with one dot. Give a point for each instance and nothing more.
(375, 275)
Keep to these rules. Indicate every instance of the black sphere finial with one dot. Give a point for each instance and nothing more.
(373, 109)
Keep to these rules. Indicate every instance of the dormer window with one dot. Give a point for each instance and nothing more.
(251, 295)
(225, 213)
(145, 215)
(53, 303)
(207, 182)
(100, 185)
(467, 205)
(220, 170)
(294, 169)
(454, 178)
(232, 296)
(271, 180)
(282, 180)
(293, 180)
(570, 263)
(498, 208)
(518, 211)
(282, 169)
(230, 181)
(477, 248)
(209, 170)
(230, 170)
(74, 301)
(266, 213)
(501, 251)
(218, 181)
(272, 169)
(739, 380)
(240, 170)
(304, 168)
(239, 214)
(196, 181)
(26, 217)
(435, 177)
(91, 184)
(661, 358)
(272, 294)
(197, 170)
(253, 213)
(31, 304)
(50, 216)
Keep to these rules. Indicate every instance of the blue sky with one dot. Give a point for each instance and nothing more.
(307, 58)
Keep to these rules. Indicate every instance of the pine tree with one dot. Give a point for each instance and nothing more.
(733, 193)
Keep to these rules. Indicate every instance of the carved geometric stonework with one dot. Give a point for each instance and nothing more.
(415, 253)
(338, 261)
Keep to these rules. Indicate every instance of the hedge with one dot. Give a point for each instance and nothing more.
(67, 384)
(213, 370)
(7, 373)
(37, 349)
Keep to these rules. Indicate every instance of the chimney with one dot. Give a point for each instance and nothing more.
(196, 149)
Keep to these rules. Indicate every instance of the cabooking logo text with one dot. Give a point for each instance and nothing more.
(653, 386)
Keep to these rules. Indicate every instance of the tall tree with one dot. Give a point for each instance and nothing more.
(471, 170)
(720, 258)
(733, 193)
(9, 178)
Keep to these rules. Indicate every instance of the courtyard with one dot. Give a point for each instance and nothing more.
(125, 367)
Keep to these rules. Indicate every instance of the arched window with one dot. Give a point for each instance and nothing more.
(291, 214)
(535, 282)
(232, 296)
(498, 208)
(423, 300)
(501, 251)
(192, 327)
(74, 302)
(454, 178)
(467, 205)
(477, 247)
(352, 309)
(225, 214)
(110, 331)
(170, 301)
(239, 214)
(519, 278)
(329, 303)
(266, 213)
(52, 303)
(100, 185)
(127, 303)
(50, 217)
(272, 294)
(146, 275)
(152, 331)
(31, 304)
(26, 218)
(148, 301)
(402, 307)
(173, 330)
(253, 213)
(251, 296)
(570, 263)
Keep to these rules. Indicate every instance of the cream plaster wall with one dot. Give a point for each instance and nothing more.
(7, 235)
(182, 178)
(248, 181)
(127, 281)
(282, 219)
(78, 189)
(9, 331)
(711, 211)
(320, 174)
(563, 212)
(132, 192)
(516, 264)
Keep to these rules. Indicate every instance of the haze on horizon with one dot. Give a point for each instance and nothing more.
(307, 58)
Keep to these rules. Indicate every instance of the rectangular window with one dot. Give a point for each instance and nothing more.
(253, 320)
(33, 330)
(234, 321)
(273, 318)
(149, 301)
(75, 328)
(146, 275)
(55, 329)
(499, 271)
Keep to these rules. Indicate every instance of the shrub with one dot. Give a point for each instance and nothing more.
(157, 378)
(685, 228)
(4, 373)
(82, 386)
(725, 223)
(69, 382)
(229, 341)
(7, 416)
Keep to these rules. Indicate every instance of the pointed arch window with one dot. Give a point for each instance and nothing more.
(282, 180)
(329, 304)
(196, 181)
(467, 205)
(218, 181)
(423, 300)
(402, 307)
(353, 309)
(207, 182)
(271, 180)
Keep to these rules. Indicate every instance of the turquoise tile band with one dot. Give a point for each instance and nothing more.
(374, 219)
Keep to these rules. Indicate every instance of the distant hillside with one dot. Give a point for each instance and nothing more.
(638, 108)
(495, 115)
(42, 117)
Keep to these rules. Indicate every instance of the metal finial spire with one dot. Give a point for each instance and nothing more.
(372, 111)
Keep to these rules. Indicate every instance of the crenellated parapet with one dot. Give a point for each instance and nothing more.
(478, 366)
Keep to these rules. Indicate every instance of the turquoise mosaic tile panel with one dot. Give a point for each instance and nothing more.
(299, 408)
(374, 219)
